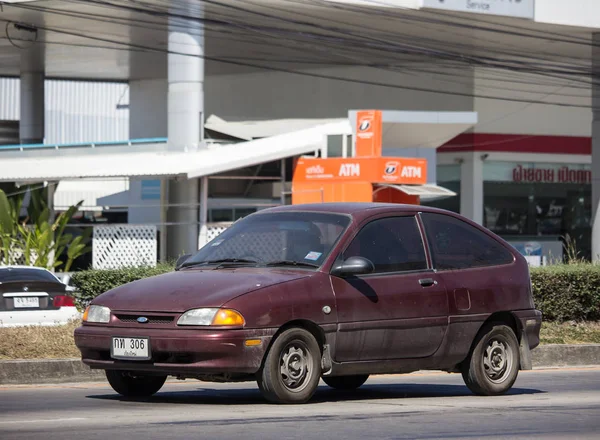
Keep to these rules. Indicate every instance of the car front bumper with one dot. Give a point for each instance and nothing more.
(185, 352)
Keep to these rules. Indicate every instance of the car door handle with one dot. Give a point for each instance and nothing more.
(427, 282)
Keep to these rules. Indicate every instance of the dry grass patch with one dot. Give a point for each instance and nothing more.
(37, 342)
(570, 333)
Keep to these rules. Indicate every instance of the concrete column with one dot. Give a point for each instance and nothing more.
(203, 238)
(471, 187)
(31, 125)
(182, 216)
(596, 149)
(186, 82)
(185, 124)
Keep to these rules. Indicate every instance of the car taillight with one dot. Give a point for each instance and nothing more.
(63, 301)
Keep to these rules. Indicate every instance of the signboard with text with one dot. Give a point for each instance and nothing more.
(509, 8)
(362, 169)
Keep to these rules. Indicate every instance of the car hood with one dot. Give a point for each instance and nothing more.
(186, 289)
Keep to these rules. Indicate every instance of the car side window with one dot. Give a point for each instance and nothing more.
(457, 245)
(392, 244)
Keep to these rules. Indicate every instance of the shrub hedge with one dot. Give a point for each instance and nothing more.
(561, 292)
(91, 283)
(569, 292)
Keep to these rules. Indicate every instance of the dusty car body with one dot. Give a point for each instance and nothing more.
(292, 294)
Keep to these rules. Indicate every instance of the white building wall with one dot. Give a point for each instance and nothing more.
(148, 108)
(585, 13)
(76, 111)
(504, 117)
(275, 95)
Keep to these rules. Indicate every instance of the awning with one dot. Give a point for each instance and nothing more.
(34, 166)
(249, 130)
(421, 129)
(427, 192)
(95, 194)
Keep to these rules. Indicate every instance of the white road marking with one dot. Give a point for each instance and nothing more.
(24, 422)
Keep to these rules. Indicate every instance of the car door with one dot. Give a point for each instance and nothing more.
(398, 311)
(474, 266)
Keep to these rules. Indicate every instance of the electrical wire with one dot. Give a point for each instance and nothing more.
(553, 70)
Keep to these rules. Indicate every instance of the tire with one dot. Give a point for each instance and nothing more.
(346, 382)
(292, 368)
(134, 385)
(493, 364)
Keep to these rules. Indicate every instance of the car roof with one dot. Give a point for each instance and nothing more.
(356, 209)
(18, 266)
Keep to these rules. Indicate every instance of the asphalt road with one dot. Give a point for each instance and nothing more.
(548, 404)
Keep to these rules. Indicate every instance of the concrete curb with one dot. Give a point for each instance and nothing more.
(54, 371)
(555, 355)
(47, 371)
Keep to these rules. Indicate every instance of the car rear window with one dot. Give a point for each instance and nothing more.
(457, 245)
(8, 275)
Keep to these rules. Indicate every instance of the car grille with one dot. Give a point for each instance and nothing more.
(151, 319)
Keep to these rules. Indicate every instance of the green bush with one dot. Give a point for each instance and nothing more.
(567, 292)
(561, 292)
(91, 283)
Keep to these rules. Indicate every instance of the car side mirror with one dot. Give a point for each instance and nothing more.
(353, 266)
(182, 260)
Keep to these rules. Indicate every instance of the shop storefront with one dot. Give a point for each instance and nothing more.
(535, 206)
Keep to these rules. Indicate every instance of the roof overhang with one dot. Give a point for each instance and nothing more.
(17, 167)
(428, 192)
(421, 129)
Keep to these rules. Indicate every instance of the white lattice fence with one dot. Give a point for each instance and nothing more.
(118, 246)
(214, 230)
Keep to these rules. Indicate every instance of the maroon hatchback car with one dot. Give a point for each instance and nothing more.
(293, 294)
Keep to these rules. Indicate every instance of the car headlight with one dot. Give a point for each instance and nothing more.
(212, 316)
(97, 314)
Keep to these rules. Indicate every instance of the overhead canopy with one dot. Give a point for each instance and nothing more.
(421, 129)
(16, 167)
(94, 193)
(427, 192)
(249, 130)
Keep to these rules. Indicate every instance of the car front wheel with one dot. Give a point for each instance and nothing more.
(346, 382)
(134, 385)
(493, 364)
(292, 368)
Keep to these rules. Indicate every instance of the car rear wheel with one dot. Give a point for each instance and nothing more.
(133, 384)
(346, 382)
(493, 364)
(292, 368)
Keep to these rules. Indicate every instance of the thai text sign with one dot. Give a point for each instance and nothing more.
(563, 174)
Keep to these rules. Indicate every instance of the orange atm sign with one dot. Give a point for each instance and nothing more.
(365, 169)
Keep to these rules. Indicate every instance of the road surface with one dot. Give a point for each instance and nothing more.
(544, 404)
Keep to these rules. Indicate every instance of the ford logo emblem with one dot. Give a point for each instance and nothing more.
(142, 320)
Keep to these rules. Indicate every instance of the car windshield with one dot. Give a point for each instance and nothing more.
(299, 239)
(15, 274)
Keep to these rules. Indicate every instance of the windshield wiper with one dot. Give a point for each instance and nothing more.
(290, 263)
(219, 262)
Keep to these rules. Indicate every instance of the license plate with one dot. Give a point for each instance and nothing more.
(26, 302)
(130, 348)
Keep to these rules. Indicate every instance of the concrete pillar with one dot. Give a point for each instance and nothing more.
(31, 125)
(596, 148)
(186, 82)
(471, 187)
(203, 238)
(185, 124)
(182, 216)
